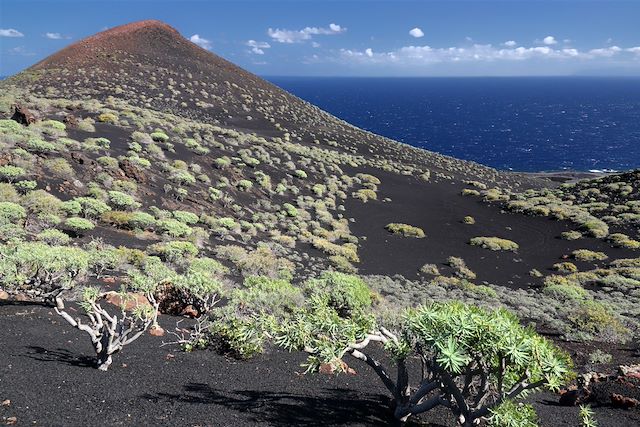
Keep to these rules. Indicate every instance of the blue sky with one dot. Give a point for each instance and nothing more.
(356, 38)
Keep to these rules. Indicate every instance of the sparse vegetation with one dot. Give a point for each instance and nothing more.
(494, 243)
(405, 230)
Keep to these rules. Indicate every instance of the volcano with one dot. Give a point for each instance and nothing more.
(142, 150)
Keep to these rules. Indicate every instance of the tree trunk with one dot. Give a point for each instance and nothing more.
(104, 360)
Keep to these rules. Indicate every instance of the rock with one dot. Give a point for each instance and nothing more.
(109, 279)
(22, 298)
(574, 396)
(330, 368)
(131, 301)
(4, 296)
(22, 115)
(132, 171)
(631, 371)
(6, 402)
(326, 368)
(70, 120)
(623, 402)
(11, 421)
(156, 331)
(175, 301)
(585, 380)
(190, 312)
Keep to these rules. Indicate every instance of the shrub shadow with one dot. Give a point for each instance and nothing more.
(330, 407)
(60, 355)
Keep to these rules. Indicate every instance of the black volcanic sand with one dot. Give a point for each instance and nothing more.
(439, 208)
(46, 372)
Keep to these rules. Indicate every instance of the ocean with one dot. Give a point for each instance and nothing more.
(530, 124)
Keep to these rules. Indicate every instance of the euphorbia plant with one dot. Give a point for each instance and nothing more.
(472, 359)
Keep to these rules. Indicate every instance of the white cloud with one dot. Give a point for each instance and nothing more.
(423, 55)
(10, 32)
(298, 36)
(258, 47)
(54, 36)
(315, 44)
(416, 32)
(20, 50)
(606, 52)
(549, 40)
(200, 41)
(510, 43)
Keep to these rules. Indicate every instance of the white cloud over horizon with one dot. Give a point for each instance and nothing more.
(10, 32)
(549, 40)
(298, 36)
(424, 55)
(201, 41)
(416, 32)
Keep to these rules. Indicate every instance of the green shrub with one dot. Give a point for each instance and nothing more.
(59, 167)
(343, 292)
(430, 269)
(159, 136)
(469, 220)
(11, 213)
(222, 162)
(79, 225)
(245, 323)
(290, 210)
(623, 241)
(89, 207)
(244, 185)
(565, 267)
(460, 268)
(11, 173)
(40, 270)
(185, 217)
(596, 228)
(26, 186)
(173, 228)
(494, 243)
(598, 321)
(120, 200)
(53, 237)
(41, 202)
(454, 341)
(182, 177)
(571, 235)
(365, 195)
(108, 118)
(588, 255)
(53, 124)
(173, 251)
(512, 414)
(300, 174)
(37, 145)
(405, 230)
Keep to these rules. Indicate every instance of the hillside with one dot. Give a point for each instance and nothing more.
(140, 145)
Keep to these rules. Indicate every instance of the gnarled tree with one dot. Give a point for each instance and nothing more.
(472, 360)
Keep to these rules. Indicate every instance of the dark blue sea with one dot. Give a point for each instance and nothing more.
(520, 123)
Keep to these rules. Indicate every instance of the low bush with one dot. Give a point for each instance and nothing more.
(588, 255)
(405, 230)
(494, 243)
(79, 225)
(40, 270)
